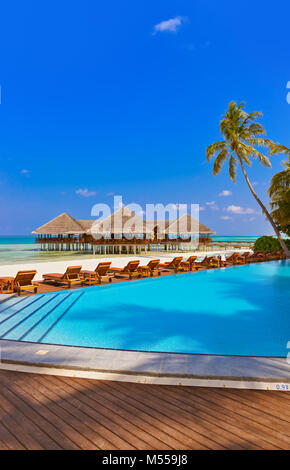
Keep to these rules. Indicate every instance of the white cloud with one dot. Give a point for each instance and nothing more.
(85, 192)
(226, 217)
(212, 205)
(201, 208)
(225, 192)
(240, 210)
(171, 25)
(24, 172)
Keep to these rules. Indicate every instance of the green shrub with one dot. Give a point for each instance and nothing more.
(267, 243)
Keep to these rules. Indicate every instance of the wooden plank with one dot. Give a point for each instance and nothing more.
(61, 412)
(268, 429)
(29, 395)
(29, 411)
(247, 437)
(162, 430)
(9, 440)
(193, 419)
(279, 394)
(264, 437)
(265, 422)
(3, 446)
(251, 431)
(90, 416)
(69, 415)
(164, 414)
(276, 400)
(124, 420)
(149, 424)
(33, 437)
(280, 412)
(15, 425)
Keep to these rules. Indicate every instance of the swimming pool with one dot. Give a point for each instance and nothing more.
(242, 310)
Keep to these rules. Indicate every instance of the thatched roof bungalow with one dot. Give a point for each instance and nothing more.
(122, 228)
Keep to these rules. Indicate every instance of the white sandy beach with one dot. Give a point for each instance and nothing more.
(91, 263)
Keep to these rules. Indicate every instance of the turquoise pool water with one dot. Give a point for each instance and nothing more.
(235, 311)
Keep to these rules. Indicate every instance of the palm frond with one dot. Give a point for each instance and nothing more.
(219, 161)
(276, 148)
(259, 141)
(272, 147)
(241, 105)
(214, 148)
(252, 152)
(228, 129)
(243, 152)
(253, 116)
(279, 182)
(255, 129)
(233, 168)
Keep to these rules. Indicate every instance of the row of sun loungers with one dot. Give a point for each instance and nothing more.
(74, 275)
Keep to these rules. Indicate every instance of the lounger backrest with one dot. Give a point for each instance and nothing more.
(132, 266)
(233, 255)
(153, 263)
(102, 268)
(24, 278)
(191, 259)
(255, 254)
(72, 272)
(176, 261)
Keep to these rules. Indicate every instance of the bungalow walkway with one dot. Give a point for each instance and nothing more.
(48, 412)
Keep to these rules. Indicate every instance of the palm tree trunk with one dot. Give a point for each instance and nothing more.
(264, 209)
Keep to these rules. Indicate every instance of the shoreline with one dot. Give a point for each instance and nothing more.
(91, 261)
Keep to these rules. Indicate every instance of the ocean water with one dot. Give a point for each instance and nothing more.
(17, 250)
(241, 310)
(234, 238)
(23, 249)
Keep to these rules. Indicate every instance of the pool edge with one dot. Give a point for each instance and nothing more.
(263, 373)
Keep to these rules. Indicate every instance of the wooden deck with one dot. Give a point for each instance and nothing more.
(44, 287)
(47, 412)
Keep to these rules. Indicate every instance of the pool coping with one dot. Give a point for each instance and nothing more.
(264, 373)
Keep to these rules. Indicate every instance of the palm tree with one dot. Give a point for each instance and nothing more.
(242, 135)
(279, 193)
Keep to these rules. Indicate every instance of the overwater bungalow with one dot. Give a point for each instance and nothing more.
(122, 232)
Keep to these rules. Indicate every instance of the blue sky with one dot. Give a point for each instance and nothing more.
(123, 97)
